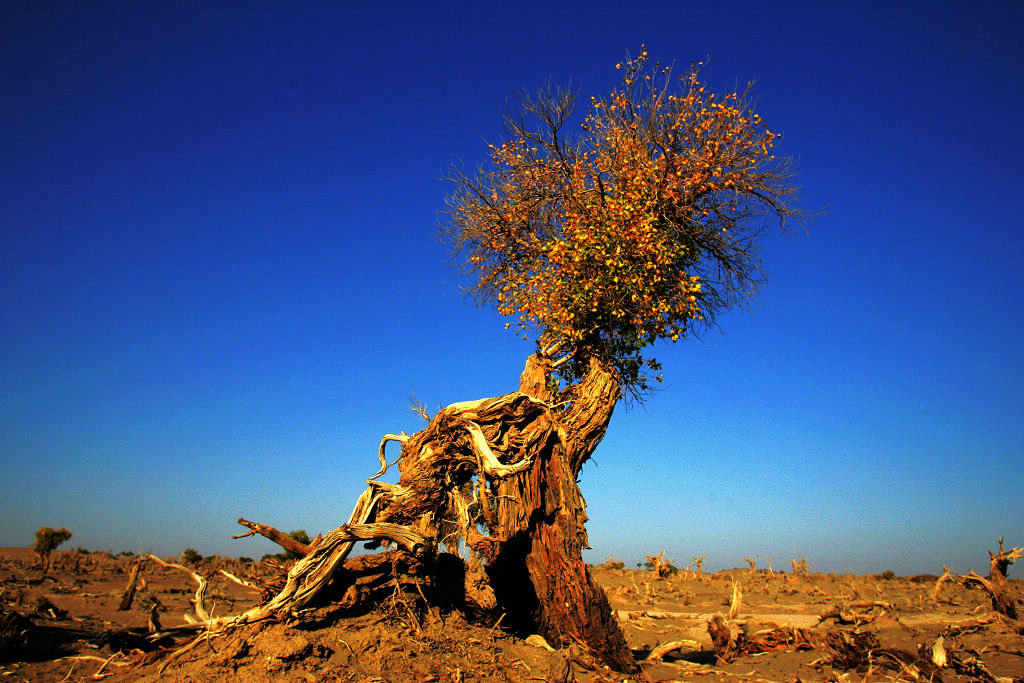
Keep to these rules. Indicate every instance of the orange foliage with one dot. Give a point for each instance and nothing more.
(640, 229)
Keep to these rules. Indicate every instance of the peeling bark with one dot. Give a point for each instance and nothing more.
(540, 577)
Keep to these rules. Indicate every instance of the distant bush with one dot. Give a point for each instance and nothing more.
(190, 556)
(82, 551)
(47, 540)
(245, 560)
(612, 563)
(888, 575)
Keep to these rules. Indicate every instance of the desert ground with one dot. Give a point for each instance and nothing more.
(778, 626)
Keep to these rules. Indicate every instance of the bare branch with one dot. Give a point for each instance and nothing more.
(200, 606)
(282, 539)
(400, 438)
(239, 581)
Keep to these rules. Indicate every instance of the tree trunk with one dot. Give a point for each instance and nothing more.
(540, 578)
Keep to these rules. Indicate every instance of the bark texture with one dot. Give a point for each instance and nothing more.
(540, 576)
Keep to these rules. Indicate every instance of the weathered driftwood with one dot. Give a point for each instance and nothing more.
(658, 653)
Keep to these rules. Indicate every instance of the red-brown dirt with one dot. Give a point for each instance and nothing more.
(66, 626)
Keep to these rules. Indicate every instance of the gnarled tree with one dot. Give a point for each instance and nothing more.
(640, 226)
(47, 540)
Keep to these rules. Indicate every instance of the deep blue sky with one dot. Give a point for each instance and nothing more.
(220, 279)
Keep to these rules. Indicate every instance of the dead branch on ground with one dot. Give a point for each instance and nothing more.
(857, 612)
(659, 652)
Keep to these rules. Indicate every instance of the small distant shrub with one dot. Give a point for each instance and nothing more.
(612, 563)
(245, 560)
(126, 553)
(47, 540)
(81, 551)
(923, 578)
(888, 575)
(190, 556)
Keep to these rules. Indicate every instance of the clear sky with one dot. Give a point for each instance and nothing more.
(220, 279)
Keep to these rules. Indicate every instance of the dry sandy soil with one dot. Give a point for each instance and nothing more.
(66, 626)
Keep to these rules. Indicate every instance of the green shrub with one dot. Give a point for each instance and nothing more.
(190, 556)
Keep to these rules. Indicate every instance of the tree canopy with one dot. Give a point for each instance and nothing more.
(642, 225)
